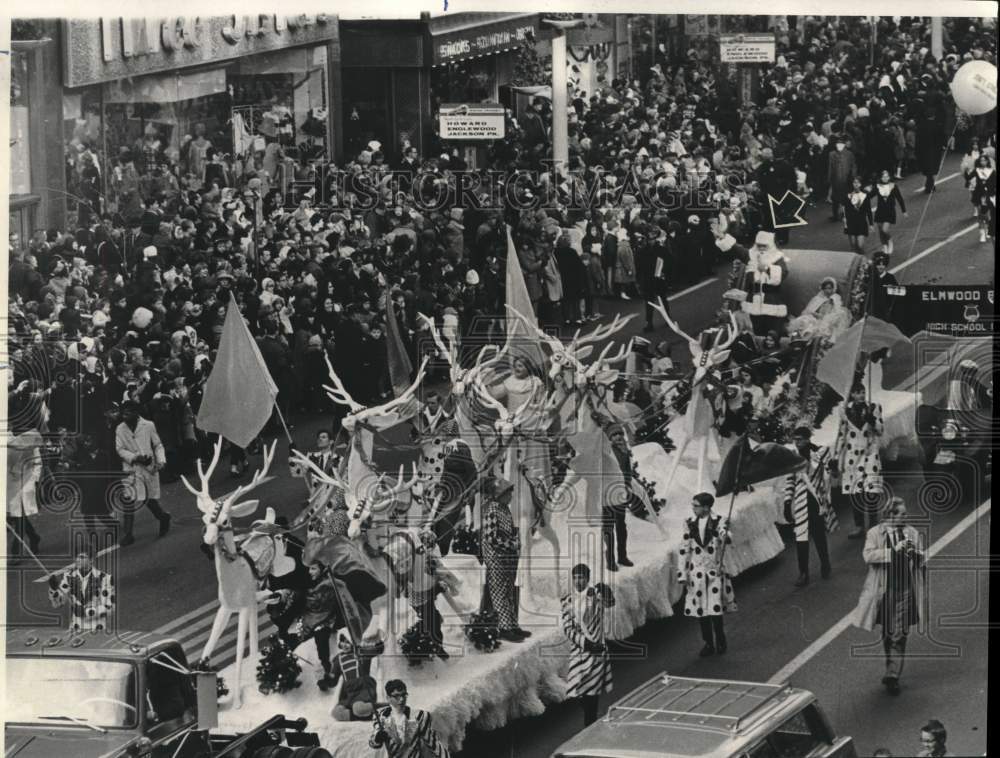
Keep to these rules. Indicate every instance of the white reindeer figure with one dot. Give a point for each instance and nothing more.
(239, 582)
(699, 420)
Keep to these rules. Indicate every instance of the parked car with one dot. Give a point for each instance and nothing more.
(681, 717)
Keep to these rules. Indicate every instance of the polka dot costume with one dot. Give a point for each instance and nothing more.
(709, 591)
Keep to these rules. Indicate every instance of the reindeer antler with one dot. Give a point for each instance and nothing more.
(661, 308)
(604, 360)
(331, 479)
(604, 331)
(338, 392)
(733, 331)
(203, 475)
(553, 342)
(401, 485)
(386, 408)
(257, 480)
(486, 397)
(449, 353)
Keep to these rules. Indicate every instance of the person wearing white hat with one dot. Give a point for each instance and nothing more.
(765, 270)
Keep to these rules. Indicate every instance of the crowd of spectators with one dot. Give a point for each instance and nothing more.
(129, 304)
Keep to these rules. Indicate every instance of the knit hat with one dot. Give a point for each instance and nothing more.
(471, 278)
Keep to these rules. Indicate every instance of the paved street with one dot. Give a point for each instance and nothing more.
(169, 584)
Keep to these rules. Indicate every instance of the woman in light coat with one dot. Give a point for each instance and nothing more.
(624, 267)
(24, 469)
(894, 594)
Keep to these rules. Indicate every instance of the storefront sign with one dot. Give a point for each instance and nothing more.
(482, 121)
(956, 310)
(483, 39)
(747, 48)
(114, 48)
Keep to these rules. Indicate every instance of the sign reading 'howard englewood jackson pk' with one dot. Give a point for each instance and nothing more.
(482, 121)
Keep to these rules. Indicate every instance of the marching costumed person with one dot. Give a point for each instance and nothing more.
(983, 188)
(806, 504)
(501, 550)
(404, 732)
(765, 270)
(142, 454)
(887, 196)
(856, 455)
(708, 588)
(858, 219)
(582, 622)
(357, 693)
(894, 594)
(89, 592)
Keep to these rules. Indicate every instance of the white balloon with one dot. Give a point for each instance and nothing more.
(975, 87)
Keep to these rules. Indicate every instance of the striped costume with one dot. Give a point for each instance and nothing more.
(798, 486)
(417, 740)
(582, 620)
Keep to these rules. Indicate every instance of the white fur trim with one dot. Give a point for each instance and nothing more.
(726, 243)
(757, 307)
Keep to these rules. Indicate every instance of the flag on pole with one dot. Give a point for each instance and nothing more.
(879, 334)
(400, 367)
(745, 465)
(240, 393)
(522, 341)
(837, 367)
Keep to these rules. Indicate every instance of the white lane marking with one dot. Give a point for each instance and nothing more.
(208, 610)
(934, 247)
(785, 672)
(942, 180)
(691, 289)
(66, 568)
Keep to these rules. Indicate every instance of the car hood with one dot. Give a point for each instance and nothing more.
(58, 743)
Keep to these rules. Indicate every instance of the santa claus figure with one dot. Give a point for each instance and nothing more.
(765, 269)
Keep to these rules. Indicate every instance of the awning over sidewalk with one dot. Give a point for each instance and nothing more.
(463, 36)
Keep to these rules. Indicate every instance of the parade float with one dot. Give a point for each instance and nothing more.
(535, 413)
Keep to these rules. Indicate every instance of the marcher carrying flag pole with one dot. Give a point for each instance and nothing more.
(745, 465)
(240, 393)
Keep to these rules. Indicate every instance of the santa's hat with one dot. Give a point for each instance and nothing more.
(765, 239)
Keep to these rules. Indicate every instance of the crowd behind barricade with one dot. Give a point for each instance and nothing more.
(128, 306)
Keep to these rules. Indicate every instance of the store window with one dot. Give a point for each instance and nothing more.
(472, 81)
(367, 95)
(150, 136)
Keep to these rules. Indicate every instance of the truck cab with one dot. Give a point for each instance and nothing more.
(681, 717)
(125, 695)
